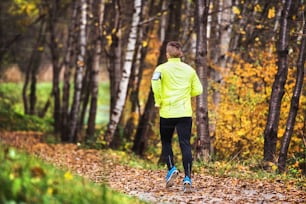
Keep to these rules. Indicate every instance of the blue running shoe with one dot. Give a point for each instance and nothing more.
(172, 174)
(187, 184)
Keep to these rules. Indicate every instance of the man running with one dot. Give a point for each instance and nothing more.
(173, 85)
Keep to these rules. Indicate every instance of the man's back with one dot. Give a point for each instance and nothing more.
(178, 83)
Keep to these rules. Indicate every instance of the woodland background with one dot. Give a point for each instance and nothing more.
(81, 72)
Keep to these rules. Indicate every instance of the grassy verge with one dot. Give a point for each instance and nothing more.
(26, 179)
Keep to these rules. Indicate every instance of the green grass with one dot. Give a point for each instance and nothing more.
(26, 179)
(12, 115)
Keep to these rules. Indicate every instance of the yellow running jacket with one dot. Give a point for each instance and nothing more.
(173, 85)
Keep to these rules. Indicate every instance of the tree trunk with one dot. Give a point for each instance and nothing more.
(203, 139)
(141, 136)
(34, 70)
(115, 52)
(53, 11)
(132, 109)
(145, 128)
(74, 114)
(271, 129)
(294, 104)
(67, 65)
(121, 97)
(220, 34)
(85, 91)
(31, 72)
(95, 72)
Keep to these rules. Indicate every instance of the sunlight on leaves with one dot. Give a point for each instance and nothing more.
(258, 8)
(271, 13)
(236, 10)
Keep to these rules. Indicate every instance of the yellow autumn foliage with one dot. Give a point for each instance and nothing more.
(241, 115)
(271, 13)
(29, 9)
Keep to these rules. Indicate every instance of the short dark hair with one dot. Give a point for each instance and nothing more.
(174, 49)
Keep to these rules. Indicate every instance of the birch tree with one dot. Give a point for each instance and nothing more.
(122, 92)
(79, 73)
(115, 52)
(219, 35)
(203, 138)
(99, 11)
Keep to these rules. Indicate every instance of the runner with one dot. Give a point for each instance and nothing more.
(173, 85)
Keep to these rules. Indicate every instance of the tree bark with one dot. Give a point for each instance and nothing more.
(74, 114)
(34, 70)
(122, 92)
(271, 129)
(203, 138)
(95, 72)
(132, 108)
(294, 106)
(53, 8)
(68, 66)
(218, 45)
(30, 75)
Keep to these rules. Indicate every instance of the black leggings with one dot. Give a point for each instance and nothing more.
(183, 128)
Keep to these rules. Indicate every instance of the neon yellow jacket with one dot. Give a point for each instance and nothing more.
(173, 85)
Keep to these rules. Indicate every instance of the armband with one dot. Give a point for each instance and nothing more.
(156, 76)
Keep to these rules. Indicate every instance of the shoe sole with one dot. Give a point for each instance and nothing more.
(171, 179)
(187, 188)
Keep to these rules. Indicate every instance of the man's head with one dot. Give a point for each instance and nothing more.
(174, 49)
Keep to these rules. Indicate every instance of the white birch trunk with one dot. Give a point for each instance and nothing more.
(163, 21)
(203, 139)
(79, 73)
(219, 34)
(126, 72)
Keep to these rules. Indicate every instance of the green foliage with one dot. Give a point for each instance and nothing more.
(28, 10)
(11, 120)
(11, 116)
(26, 179)
(297, 163)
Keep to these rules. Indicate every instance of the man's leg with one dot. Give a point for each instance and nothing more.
(166, 133)
(183, 128)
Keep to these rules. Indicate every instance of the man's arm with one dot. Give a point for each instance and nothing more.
(196, 86)
(156, 87)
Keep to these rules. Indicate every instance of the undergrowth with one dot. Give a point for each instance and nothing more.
(27, 179)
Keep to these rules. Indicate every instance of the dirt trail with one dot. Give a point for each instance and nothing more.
(149, 185)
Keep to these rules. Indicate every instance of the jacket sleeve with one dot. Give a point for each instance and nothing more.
(196, 86)
(156, 87)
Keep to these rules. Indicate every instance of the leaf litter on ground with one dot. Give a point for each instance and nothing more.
(104, 166)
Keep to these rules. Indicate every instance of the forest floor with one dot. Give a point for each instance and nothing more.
(149, 185)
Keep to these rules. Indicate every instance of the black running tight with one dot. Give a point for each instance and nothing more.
(183, 128)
